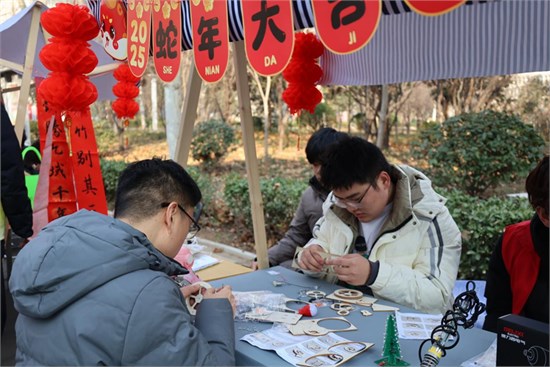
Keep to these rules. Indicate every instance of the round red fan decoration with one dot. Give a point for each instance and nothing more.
(68, 56)
(303, 73)
(126, 90)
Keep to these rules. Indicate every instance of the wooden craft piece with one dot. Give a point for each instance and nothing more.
(366, 313)
(287, 300)
(312, 327)
(336, 354)
(315, 294)
(362, 301)
(378, 307)
(348, 293)
(197, 298)
(275, 316)
(342, 306)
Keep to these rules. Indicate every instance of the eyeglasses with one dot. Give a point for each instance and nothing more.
(194, 228)
(350, 203)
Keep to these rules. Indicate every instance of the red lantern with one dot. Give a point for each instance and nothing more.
(68, 56)
(126, 90)
(303, 73)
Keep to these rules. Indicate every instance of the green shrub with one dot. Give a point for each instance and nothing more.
(481, 223)
(280, 198)
(111, 170)
(211, 141)
(477, 151)
(208, 190)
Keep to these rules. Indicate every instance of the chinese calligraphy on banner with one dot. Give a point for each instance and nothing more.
(167, 38)
(434, 7)
(90, 191)
(139, 31)
(210, 38)
(268, 34)
(346, 26)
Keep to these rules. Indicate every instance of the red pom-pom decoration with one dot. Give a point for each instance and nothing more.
(126, 90)
(303, 73)
(125, 107)
(70, 21)
(68, 56)
(74, 58)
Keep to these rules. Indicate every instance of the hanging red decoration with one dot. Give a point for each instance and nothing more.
(66, 95)
(68, 56)
(126, 90)
(303, 73)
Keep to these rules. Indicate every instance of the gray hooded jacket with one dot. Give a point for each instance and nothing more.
(92, 290)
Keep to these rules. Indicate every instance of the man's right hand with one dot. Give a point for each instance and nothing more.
(310, 258)
(223, 292)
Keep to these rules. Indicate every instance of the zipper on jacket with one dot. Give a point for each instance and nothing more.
(367, 254)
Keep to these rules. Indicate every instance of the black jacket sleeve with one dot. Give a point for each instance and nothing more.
(497, 290)
(15, 201)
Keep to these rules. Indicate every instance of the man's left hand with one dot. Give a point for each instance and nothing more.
(190, 289)
(353, 269)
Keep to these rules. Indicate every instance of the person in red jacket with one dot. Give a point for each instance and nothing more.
(517, 279)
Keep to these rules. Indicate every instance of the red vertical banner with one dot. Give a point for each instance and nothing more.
(112, 28)
(268, 34)
(90, 191)
(209, 21)
(138, 21)
(433, 7)
(346, 26)
(61, 194)
(43, 114)
(167, 38)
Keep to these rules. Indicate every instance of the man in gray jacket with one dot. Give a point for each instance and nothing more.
(95, 290)
(311, 203)
(410, 247)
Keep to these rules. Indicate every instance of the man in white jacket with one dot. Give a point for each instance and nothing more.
(384, 229)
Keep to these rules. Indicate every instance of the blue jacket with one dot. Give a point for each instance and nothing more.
(92, 290)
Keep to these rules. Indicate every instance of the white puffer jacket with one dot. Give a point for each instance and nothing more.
(418, 248)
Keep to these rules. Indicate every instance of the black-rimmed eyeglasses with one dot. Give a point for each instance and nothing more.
(194, 228)
(351, 203)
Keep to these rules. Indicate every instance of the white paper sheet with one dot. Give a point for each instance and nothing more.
(416, 325)
(203, 261)
(295, 349)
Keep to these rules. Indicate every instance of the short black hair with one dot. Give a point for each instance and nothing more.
(144, 185)
(536, 185)
(319, 142)
(354, 160)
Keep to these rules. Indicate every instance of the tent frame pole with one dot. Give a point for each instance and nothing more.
(27, 73)
(185, 135)
(188, 116)
(251, 159)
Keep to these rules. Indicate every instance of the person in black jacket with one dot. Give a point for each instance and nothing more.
(517, 279)
(15, 207)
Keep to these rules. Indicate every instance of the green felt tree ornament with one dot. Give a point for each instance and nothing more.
(391, 355)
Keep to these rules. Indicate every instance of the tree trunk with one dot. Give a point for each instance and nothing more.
(383, 115)
(154, 104)
(172, 111)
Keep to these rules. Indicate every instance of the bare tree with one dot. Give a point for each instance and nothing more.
(264, 94)
(458, 96)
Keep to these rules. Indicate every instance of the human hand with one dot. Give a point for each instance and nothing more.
(222, 292)
(353, 269)
(310, 258)
(190, 289)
